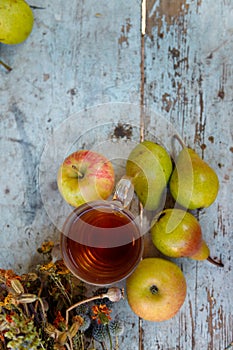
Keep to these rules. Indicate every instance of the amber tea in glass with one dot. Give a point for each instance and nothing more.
(101, 242)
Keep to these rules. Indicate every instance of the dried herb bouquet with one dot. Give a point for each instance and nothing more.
(48, 309)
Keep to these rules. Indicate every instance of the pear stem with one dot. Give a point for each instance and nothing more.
(37, 7)
(5, 66)
(214, 262)
(79, 173)
(176, 137)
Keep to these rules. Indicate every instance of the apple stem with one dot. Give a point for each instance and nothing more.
(214, 262)
(5, 66)
(80, 175)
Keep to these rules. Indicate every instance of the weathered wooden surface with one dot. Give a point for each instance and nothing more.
(188, 74)
(87, 54)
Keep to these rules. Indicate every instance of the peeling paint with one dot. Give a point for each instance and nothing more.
(211, 302)
(168, 10)
(192, 324)
(211, 139)
(167, 102)
(175, 62)
(125, 29)
(123, 131)
(221, 225)
(46, 77)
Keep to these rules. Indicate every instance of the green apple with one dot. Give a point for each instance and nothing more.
(16, 21)
(85, 176)
(149, 165)
(156, 290)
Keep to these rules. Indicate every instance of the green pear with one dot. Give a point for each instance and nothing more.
(16, 21)
(193, 184)
(176, 233)
(149, 165)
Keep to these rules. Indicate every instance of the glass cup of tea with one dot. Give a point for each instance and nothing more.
(101, 241)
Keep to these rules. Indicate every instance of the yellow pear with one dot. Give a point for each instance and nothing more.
(193, 184)
(177, 233)
(16, 21)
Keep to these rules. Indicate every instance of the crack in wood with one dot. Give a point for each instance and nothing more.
(142, 121)
(140, 330)
(211, 302)
(192, 324)
(142, 83)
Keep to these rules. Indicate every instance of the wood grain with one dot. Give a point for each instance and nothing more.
(186, 56)
(86, 54)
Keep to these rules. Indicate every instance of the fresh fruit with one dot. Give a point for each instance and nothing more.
(193, 184)
(202, 253)
(85, 176)
(156, 290)
(176, 233)
(149, 165)
(16, 21)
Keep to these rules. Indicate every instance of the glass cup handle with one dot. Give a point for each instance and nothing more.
(124, 191)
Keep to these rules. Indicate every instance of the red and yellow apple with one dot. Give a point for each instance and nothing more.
(156, 290)
(85, 176)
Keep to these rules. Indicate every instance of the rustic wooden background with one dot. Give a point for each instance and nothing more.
(83, 54)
